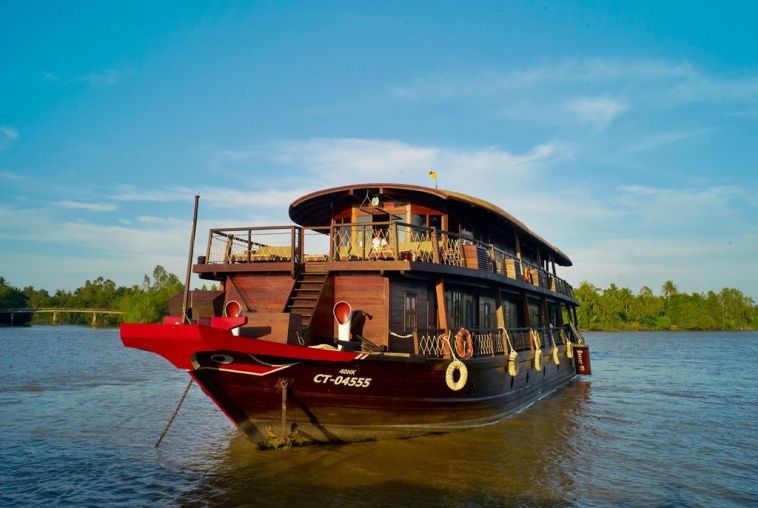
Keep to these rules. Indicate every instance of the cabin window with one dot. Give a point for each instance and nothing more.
(410, 313)
(425, 221)
(469, 313)
(363, 233)
(553, 312)
(429, 221)
(535, 315)
(485, 315)
(510, 308)
(401, 231)
(342, 234)
(457, 310)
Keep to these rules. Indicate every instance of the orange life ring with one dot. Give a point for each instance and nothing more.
(460, 337)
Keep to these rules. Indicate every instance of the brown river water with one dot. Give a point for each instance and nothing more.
(666, 419)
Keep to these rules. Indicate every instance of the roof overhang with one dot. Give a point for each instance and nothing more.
(318, 208)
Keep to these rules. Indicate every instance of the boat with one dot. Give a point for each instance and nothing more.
(384, 311)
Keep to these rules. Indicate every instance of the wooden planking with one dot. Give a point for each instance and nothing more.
(368, 293)
(265, 293)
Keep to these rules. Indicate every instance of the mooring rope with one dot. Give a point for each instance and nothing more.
(284, 408)
(176, 411)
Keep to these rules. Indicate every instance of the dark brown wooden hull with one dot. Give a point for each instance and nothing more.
(375, 397)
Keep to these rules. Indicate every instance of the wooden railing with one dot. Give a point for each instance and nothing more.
(485, 342)
(372, 241)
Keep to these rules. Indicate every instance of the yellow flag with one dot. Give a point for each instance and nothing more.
(433, 174)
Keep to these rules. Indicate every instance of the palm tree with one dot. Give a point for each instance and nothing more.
(669, 289)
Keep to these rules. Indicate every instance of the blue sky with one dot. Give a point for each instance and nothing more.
(625, 133)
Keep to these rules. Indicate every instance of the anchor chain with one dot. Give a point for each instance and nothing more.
(176, 411)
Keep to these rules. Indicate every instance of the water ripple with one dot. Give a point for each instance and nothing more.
(656, 425)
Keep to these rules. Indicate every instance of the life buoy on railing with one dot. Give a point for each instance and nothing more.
(456, 366)
(569, 345)
(512, 356)
(513, 363)
(464, 346)
(537, 349)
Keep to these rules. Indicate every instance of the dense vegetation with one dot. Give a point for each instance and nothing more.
(147, 303)
(619, 309)
(607, 309)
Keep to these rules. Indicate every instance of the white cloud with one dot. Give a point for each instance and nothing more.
(93, 207)
(540, 93)
(598, 111)
(361, 157)
(96, 79)
(711, 210)
(8, 136)
(132, 193)
(658, 139)
(337, 161)
(693, 264)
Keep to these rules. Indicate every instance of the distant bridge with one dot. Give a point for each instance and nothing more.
(12, 312)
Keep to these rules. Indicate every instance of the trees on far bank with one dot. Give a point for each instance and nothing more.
(612, 308)
(147, 303)
(620, 309)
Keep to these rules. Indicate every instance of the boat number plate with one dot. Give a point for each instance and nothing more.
(346, 378)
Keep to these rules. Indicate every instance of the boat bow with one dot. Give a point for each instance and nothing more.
(178, 343)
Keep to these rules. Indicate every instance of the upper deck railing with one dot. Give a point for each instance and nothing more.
(372, 241)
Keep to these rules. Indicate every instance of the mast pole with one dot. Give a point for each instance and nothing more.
(185, 305)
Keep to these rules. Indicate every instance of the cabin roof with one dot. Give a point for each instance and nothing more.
(317, 208)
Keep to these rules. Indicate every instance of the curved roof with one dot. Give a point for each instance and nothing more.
(317, 208)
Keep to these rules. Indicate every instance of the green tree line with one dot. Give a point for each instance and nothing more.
(608, 309)
(147, 303)
(617, 308)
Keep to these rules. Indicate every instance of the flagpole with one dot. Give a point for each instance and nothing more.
(433, 174)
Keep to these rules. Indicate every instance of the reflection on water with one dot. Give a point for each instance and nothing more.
(665, 420)
(523, 460)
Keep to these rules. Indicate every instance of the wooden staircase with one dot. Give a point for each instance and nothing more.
(307, 291)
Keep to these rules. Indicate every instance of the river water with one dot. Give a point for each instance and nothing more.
(666, 419)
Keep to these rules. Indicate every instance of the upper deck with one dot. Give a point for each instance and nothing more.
(392, 228)
(423, 206)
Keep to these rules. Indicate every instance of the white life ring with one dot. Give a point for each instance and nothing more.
(456, 365)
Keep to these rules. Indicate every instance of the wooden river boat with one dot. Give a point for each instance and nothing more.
(386, 311)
